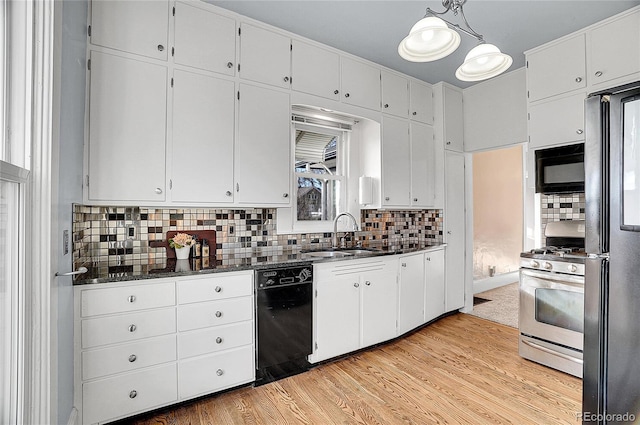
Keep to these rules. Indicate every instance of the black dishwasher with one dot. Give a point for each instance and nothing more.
(284, 316)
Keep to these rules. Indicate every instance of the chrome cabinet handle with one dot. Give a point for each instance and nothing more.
(158, 190)
(448, 143)
(218, 314)
(448, 232)
(579, 131)
(131, 298)
(598, 74)
(415, 199)
(229, 64)
(367, 283)
(218, 340)
(286, 79)
(132, 328)
(218, 289)
(357, 285)
(428, 258)
(578, 79)
(386, 105)
(133, 394)
(228, 193)
(336, 91)
(414, 113)
(81, 270)
(346, 95)
(386, 198)
(404, 264)
(285, 195)
(132, 358)
(160, 47)
(219, 372)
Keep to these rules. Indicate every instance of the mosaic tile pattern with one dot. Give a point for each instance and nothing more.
(128, 238)
(561, 206)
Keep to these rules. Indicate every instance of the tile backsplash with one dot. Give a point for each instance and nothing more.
(129, 236)
(559, 207)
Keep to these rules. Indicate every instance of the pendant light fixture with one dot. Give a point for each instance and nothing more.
(433, 38)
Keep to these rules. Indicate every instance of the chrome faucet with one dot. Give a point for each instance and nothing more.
(335, 226)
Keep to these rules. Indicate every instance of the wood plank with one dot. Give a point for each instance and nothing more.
(459, 370)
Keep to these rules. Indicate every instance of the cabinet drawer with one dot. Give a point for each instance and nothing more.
(127, 298)
(202, 315)
(125, 395)
(211, 340)
(127, 327)
(128, 357)
(215, 288)
(216, 372)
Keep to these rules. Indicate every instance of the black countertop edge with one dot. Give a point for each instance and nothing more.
(168, 268)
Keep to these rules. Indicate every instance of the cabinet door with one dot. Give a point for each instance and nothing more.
(337, 316)
(360, 84)
(263, 166)
(396, 162)
(423, 151)
(204, 39)
(395, 94)
(421, 102)
(202, 150)
(434, 293)
(557, 69)
(379, 306)
(412, 287)
(453, 116)
(265, 56)
(606, 61)
(315, 70)
(455, 231)
(139, 27)
(560, 120)
(127, 129)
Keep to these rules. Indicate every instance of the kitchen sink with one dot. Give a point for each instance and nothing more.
(338, 253)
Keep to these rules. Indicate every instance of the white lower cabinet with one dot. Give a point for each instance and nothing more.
(435, 284)
(138, 351)
(355, 305)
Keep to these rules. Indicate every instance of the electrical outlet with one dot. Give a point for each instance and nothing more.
(131, 232)
(65, 242)
(231, 230)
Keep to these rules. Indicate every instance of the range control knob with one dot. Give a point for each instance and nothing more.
(534, 264)
(547, 265)
(304, 275)
(573, 268)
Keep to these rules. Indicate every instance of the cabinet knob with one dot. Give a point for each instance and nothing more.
(218, 313)
(598, 74)
(286, 79)
(160, 48)
(132, 328)
(404, 264)
(414, 113)
(367, 283)
(219, 372)
(218, 340)
(132, 358)
(356, 285)
(428, 258)
(133, 394)
(228, 193)
(131, 298)
(229, 65)
(415, 199)
(158, 190)
(578, 79)
(218, 289)
(336, 91)
(448, 232)
(346, 95)
(579, 131)
(386, 105)
(448, 143)
(285, 195)
(386, 198)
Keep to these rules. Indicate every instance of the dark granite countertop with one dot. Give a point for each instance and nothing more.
(169, 268)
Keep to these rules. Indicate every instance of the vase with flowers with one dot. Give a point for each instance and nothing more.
(182, 243)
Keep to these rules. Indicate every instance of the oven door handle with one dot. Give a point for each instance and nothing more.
(550, 351)
(571, 280)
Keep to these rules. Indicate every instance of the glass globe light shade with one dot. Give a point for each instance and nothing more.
(482, 62)
(429, 39)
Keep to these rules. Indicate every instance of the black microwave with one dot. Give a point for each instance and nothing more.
(560, 169)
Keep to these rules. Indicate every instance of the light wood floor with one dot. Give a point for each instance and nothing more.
(459, 370)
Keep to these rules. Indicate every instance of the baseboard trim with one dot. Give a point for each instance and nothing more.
(73, 417)
(488, 283)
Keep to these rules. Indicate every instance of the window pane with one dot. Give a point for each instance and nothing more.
(317, 199)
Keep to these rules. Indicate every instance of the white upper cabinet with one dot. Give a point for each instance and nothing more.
(140, 27)
(265, 56)
(360, 84)
(263, 148)
(204, 39)
(614, 49)
(315, 70)
(395, 94)
(423, 175)
(556, 69)
(557, 121)
(203, 127)
(453, 127)
(420, 102)
(396, 160)
(127, 129)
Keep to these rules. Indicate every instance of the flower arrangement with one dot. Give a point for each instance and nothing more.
(180, 240)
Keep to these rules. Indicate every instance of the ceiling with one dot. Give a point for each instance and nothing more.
(373, 29)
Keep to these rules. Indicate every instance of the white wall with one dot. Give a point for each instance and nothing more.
(495, 112)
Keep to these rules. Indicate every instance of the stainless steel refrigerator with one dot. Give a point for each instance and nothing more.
(611, 374)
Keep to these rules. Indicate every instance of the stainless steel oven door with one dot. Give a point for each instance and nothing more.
(552, 307)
